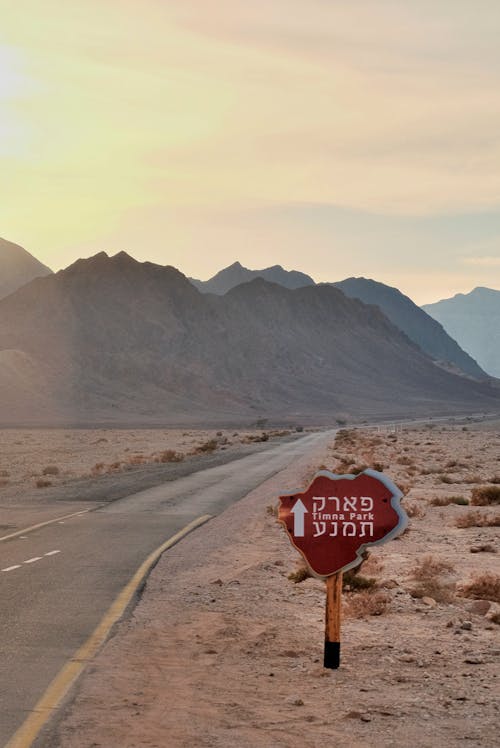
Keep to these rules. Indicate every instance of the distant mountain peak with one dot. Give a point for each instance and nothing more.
(17, 267)
(235, 274)
(474, 320)
(428, 334)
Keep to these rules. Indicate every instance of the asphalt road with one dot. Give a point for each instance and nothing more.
(57, 582)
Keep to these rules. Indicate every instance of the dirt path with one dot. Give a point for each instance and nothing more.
(223, 650)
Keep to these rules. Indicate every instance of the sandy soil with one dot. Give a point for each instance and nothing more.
(224, 650)
(47, 472)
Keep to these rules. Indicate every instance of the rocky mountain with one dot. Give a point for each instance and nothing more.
(473, 319)
(17, 267)
(425, 331)
(116, 340)
(236, 274)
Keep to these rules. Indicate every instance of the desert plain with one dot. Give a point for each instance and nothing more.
(224, 646)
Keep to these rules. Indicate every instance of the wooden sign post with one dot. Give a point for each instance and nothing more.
(332, 523)
(333, 614)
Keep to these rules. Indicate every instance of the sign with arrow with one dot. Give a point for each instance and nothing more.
(332, 523)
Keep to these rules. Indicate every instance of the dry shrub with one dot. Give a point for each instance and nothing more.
(51, 470)
(405, 460)
(98, 468)
(446, 500)
(414, 510)
(428, 575)
(272, 510)
(302, 572)
(208, 446)
(485, 496)
(443, 478)
(137, 459)
(472, 478)
(367, 603)
(483, 587)
(43, 483)
(170, 455)
(477, 519)
(352, 581)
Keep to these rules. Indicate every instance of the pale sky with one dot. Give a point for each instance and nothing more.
(350, 137)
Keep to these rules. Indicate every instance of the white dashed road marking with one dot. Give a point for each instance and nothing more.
(30, 561)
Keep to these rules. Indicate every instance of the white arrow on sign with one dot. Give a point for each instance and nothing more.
(298, 510)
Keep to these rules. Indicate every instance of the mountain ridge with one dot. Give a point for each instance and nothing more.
(474, 320)
(120, 340)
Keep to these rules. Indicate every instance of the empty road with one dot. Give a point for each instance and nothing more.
(58, 581)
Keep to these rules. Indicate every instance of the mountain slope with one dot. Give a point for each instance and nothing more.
(17, 267)
(425, 331)
(123, 341)
(473, 319)
(236, 274)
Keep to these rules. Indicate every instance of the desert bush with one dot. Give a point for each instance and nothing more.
(302, 572)
(477, 519)
(485, 495)
(379, 466)
(404, 460)
(428, 574)
(472, 478)
(43, 483)
(367, 603)
(483, 587)
(98, 468)
(414, 510)
(443, 478)
(170, 455)
(50, 470)
(446, 500)
(137, 459)
(208, 446)
(352, 581)
(272, 510)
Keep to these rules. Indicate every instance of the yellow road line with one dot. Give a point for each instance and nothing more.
(48, 522)
(57, 690)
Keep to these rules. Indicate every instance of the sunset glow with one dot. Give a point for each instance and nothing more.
(337, 138)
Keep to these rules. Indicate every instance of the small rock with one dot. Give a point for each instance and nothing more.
(466, 626)
(217, 581)
(449, 625)
(365, 718)
(480, 607)
(429, 601)
(474, 660)
(389, 584)
(407, 658)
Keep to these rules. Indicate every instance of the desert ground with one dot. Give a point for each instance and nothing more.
(224, 648)
(47, 472)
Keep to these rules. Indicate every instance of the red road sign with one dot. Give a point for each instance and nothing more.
(337, 517)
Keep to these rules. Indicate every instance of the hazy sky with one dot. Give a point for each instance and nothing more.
(350, 137)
